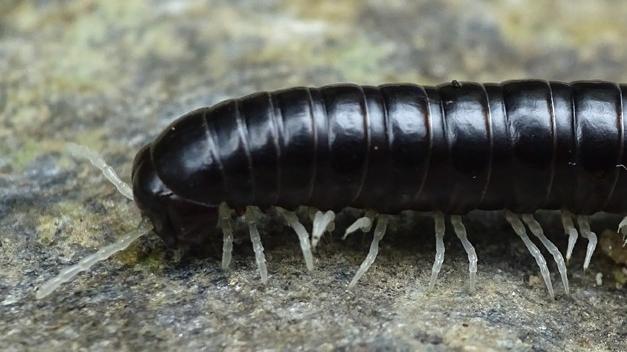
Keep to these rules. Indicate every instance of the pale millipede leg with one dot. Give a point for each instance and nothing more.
(224, 222)
(583, 221)
(86, 263)
(81, 151)
(536, 229)
(303, 236)
(569, 228)
(460, 231)
(322, 222)
(519, 229)
(252, 216)
(440, 225)
(379, 232)
(363, 223)
(622, 229)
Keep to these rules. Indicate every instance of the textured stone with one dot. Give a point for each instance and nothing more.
(112, 74)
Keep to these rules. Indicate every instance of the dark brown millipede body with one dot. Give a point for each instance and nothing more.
(518, 146)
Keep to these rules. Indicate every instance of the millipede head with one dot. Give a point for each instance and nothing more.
(179, 222)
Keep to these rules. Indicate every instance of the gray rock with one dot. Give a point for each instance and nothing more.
(112, 74)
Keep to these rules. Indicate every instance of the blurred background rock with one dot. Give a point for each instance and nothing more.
(112, 74)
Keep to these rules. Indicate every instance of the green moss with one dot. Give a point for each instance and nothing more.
(334, 11)
(70, 223)
(620, 276)
(27, 152)
(611, 244)
(154, 261)
(47, 228)
(358, 60)
(73, 222)
(30, 149)
(93, 138)
(586, 24)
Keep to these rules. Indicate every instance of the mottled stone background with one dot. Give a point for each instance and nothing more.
(112, 74)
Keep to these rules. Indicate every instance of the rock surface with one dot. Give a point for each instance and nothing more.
(112, 74)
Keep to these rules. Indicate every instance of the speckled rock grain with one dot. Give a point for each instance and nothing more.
(112, 74)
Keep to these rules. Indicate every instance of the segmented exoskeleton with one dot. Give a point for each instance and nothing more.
(518, 146)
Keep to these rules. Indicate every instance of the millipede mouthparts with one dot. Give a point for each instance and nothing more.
(518, 146)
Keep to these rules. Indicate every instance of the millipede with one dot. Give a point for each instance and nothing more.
(515, 147)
